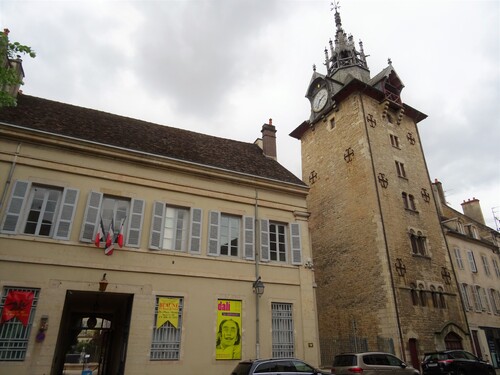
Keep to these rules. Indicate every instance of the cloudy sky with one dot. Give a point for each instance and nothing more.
(224, 67)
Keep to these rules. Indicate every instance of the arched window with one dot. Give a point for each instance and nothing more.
(442, 302)
(435, 300)
(423, 297)
(421, 243)
(418, 242)
(414, 295)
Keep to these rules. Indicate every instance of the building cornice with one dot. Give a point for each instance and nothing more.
(97, 149)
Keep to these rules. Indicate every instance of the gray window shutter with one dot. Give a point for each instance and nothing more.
(264, 240)
(195, 238)
(213, 233)
(15, 207)
(296, 243)
(249, 237)
(135, 223)
(91, 217)
(156, 235)
(66, 214)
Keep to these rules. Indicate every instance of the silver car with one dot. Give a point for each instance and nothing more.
(371, 363)
(276, 366)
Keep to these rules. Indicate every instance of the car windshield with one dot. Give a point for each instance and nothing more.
(344, 360)
(302, 367)
(436, 357)
(243, 368)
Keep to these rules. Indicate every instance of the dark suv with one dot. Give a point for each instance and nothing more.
(274, 366)
(456, 362)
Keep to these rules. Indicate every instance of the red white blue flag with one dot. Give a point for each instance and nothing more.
(110, 240)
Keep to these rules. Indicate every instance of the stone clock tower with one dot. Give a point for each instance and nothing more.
(384, 276)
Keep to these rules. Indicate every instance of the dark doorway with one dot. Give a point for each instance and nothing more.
(415, 362)
(93, 333)
(477, 347)
(453, 341)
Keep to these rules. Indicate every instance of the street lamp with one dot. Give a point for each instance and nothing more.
(258, 287)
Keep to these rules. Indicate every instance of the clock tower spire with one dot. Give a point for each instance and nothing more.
(343, 58)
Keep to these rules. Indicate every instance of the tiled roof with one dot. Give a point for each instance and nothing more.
(97, 126)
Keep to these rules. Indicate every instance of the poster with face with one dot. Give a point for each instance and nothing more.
(228, 341)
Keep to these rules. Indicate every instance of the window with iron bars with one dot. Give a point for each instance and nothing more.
(13, 335)
(282, 328)
(166, 343)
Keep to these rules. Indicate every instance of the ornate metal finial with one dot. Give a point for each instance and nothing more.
(314, 67)
(335, 5)
(389, 61)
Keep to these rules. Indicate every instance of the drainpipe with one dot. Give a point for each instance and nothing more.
(9, 177)
(257, 257)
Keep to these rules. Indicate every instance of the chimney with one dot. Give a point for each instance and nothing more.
(472, 209)
(269, 140)
(440, 191)
(437, 188)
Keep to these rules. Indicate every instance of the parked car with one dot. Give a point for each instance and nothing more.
(274, 366)
(456, 362)
(371, 363)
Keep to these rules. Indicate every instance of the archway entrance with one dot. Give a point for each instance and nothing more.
(93, 333)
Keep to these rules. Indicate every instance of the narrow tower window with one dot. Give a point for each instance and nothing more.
(394, 141)
(400, 168)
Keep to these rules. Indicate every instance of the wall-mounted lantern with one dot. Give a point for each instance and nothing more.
(258, 287)
(103, 284)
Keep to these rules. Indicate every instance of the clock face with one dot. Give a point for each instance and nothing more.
(319, 100)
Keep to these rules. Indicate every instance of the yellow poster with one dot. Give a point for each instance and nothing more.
(168, 311)
(228, 342)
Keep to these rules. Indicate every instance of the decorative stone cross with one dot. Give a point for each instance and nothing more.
(400, 267)
(371, 120)
(446, 275)
(384, 182)
(349, 155)
(313, 176)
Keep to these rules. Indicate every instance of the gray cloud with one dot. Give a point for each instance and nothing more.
(224, 67)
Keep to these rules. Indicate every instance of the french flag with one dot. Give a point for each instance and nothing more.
(119, 238)
(110, 240)
(100, 235)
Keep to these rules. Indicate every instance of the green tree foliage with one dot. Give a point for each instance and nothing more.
(9, 77)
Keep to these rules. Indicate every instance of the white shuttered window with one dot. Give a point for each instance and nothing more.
(40, 210)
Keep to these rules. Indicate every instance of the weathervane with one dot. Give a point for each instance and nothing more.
(335, 5)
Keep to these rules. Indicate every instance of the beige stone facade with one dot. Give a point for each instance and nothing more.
(64, 272)
(475, 253)
(361, 234)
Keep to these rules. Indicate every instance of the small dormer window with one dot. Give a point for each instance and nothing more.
(473, 232)
(460, 227)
